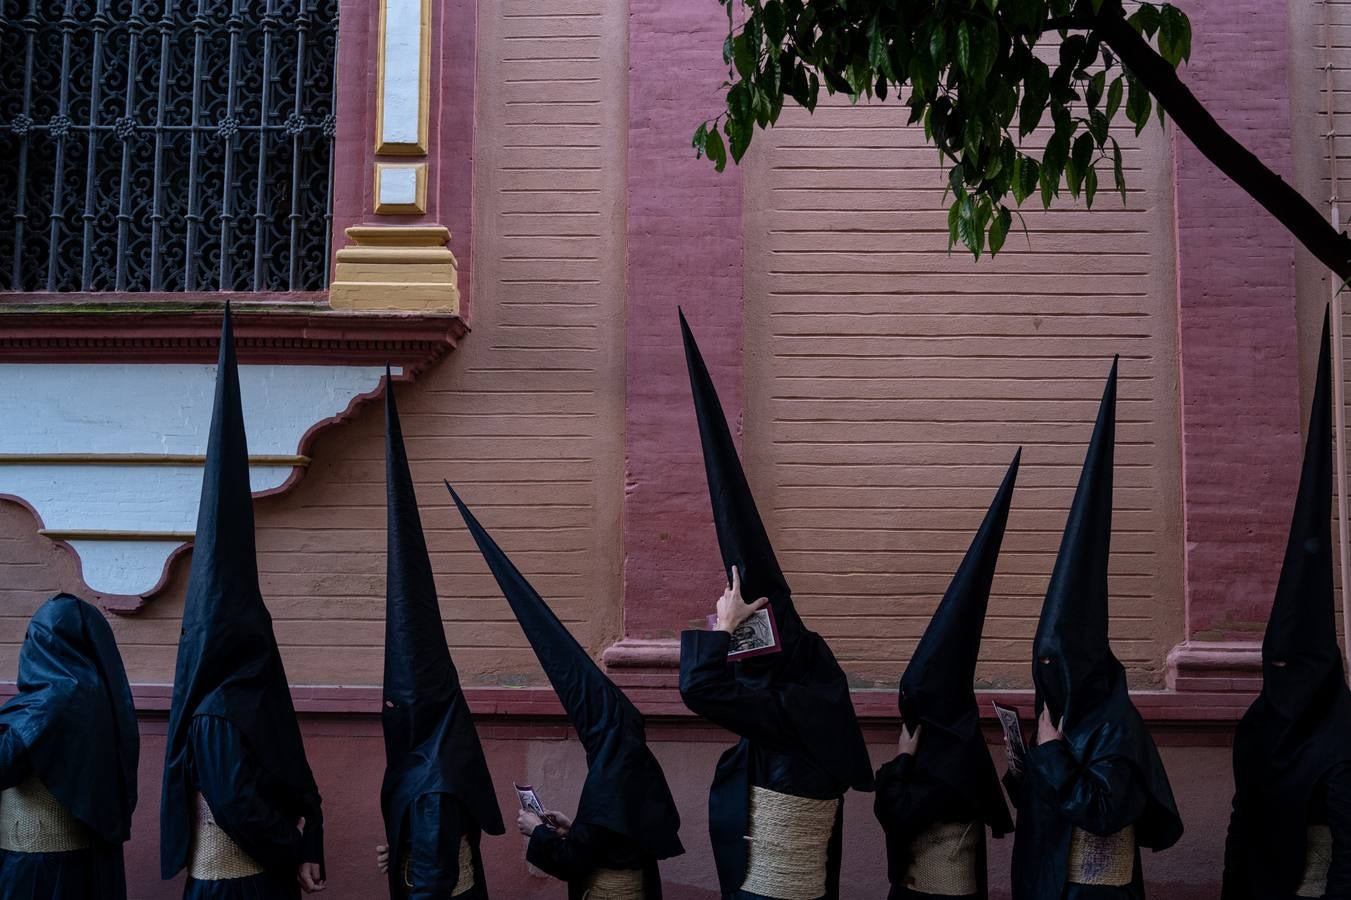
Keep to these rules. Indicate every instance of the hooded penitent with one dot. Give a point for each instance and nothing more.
(1077, 676)
(75, 716)
(430, 742)
(814, 690)
(625, 789)
(228, 664)
(937, 690)
(1299, 727)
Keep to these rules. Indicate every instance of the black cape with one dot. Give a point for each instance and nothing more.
(1299, 727)
(816, 723)
(228, 663)
(625, 792)
(952, 777)
(73, 726)
(431, 746)
(1080, 680)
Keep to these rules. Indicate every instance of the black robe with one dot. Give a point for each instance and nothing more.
(437, 789)
(951, 777)
(574, 858)
(232, 725)
(435, 824)
(771, 754)
(1106, 773)
(1292, 749)
(73, 727)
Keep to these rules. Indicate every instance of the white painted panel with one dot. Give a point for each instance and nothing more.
(121, 567)
(156, 409)
(401, 103)
(398, 184)
(165, 408)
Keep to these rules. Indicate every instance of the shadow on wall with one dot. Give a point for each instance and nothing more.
(347, 754)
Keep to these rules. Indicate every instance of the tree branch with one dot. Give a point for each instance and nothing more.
(1297, 214)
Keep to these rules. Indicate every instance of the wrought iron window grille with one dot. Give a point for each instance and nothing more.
(166, 145)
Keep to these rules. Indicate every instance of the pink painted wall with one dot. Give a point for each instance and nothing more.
(1238, 330)
(347, 756)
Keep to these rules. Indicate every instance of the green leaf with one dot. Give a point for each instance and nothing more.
(954, 212)
(967, 229)
(714, 149)
(1145, 20)
(938, 44)
(1090, 186)
(775, 27)
(964, 48)
(1036, 91)
(1175, 37)
(700, 139)
(1138, 104)
(1026, 175)
(999, 229)
(1118, 174)
(744, 54)
(1114, 98)
(739, 133)
(1096, 85)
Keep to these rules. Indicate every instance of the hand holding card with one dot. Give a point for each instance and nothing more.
(1013, 737)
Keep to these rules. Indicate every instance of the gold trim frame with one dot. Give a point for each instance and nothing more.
(403, 148)
(419, 204)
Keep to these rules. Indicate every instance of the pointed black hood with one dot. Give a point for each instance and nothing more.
(431, 745)
(1299, 727)
(1074, 668)
(1077, 676)
(814, 688)
(938, 685)
(1301, 660)
(625, 790)
(938, 691)
(228, 663)
(75, 716)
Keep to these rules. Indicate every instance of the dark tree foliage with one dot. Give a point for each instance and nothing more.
(983, 75)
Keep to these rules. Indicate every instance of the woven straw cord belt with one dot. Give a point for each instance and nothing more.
(33, 821)
(464, 882)
(614, 884)
(943, 860)
(1317, 861)
(214, 856)
(789, 842)
(1108, 861)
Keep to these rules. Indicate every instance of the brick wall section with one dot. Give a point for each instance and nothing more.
(894, 382)
(684, 248)
(1239, 339)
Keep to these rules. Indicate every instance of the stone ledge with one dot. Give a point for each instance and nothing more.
(1233, 667)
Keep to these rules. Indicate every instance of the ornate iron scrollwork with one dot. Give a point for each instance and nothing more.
(166, 145)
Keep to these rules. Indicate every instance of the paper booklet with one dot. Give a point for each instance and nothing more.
(756, 636)
(529, 799)
(1013, 734)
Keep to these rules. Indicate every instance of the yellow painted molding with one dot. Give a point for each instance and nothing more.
(135, 459)
(57, 534)
(395, 148)
(418, 205)
(402, 267)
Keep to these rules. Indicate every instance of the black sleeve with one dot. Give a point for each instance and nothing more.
(229, 781)
(15, 767)
(1338, 786)
(562, 857)
(435, 827)
(710, 689)
(312, 839)
(896, 806)
(1101, 798)
(1234, 884)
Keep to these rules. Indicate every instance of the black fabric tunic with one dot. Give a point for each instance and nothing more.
(1331, 806)
(769, 755)
(1055, 795)
(94, 873)
(436, 824)
(255, 811)
(906, 804)
(574, 858)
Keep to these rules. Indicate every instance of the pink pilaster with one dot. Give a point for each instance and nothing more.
(684, 249)
(1238, 333)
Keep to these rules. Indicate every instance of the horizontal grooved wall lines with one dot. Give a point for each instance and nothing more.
(888, 384)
